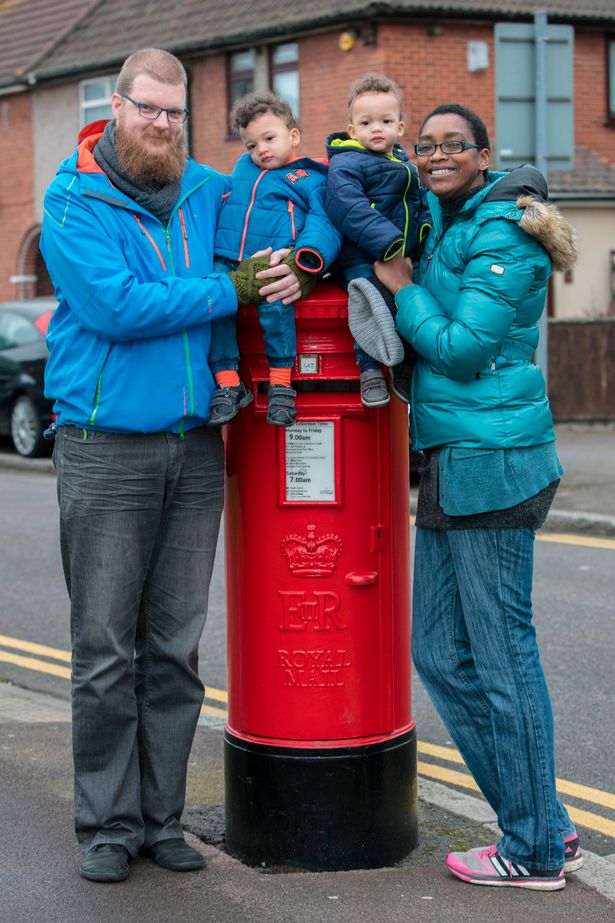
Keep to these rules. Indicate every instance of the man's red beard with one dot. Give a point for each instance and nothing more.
(154, 167)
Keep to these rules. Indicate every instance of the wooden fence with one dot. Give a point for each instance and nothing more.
(582, 369)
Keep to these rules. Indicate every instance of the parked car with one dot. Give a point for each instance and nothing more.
(25, 412)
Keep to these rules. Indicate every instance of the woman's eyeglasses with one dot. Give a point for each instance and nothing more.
(447, 147)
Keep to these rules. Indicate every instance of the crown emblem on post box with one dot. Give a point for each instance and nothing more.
(310, 555)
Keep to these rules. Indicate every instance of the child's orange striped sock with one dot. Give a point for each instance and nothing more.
(280, 376)
(228, 379)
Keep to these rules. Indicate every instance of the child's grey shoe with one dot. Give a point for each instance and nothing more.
(374, 391)
(227, 402)
(282, 410)
(401, 378)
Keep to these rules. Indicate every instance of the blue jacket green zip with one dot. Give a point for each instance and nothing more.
(130, 339)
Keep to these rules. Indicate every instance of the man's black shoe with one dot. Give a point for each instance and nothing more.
(176, 855)
(107, 862)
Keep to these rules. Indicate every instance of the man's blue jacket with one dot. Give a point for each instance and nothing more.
(130, 339)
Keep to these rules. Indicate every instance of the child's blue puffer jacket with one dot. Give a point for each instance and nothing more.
(278, 208)
(375, 200)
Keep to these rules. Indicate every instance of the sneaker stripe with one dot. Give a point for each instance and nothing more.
(498, 865)
(506, 869)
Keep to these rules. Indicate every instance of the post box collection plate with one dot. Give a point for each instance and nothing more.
(310, 462)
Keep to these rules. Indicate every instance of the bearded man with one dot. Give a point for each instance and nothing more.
(128, 240)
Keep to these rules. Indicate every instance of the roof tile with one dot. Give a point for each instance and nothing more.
(29, 29)
(117, 27)
(592, 175)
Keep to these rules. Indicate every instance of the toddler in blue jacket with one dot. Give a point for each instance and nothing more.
(376, 200)
(276, 200)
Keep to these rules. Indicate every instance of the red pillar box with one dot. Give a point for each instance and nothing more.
(320, 746)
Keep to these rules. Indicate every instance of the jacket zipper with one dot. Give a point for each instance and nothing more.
(188, 398)
(245, 224)
(291, 211)
(187, 411)
(152, 241)
(185, 236)
(406, 222)
(408, 185)
(96, 400)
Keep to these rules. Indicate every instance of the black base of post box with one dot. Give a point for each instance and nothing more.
(321, 809)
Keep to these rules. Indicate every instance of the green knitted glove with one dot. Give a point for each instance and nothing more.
(244, 280)
(247, 286)
(307, 280)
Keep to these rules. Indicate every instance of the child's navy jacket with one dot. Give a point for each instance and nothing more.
(375, 200)
(277, 208)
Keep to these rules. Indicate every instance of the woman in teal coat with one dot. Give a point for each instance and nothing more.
(482, 419)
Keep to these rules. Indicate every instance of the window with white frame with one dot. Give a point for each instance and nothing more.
(95, 98)
(284, 69)
(242, 67)
(257, 69)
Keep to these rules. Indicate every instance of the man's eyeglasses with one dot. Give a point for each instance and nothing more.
(175, 116)
(447, 147)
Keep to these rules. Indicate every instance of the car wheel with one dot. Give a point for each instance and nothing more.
(26, 429)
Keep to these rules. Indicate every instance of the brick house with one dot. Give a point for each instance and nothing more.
(28, 31)
(311, 53)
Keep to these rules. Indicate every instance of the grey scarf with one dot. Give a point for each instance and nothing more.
(159, 200)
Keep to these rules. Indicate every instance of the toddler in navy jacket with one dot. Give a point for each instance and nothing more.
(375, 199)
(276, 200)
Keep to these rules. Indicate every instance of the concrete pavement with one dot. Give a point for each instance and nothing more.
(39, 882)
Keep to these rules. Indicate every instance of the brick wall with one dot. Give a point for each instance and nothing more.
(427, 67)
(590, 102)
(16, 185)
(427, 60)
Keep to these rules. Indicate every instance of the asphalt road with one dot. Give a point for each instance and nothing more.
(573, 615)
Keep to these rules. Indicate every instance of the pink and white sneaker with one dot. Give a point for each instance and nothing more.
(485, 866)
(573, 857)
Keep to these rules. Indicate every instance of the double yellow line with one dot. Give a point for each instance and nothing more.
(54, 669)
(583, 541)
(33, 663)
(430, 768)
(579, 816)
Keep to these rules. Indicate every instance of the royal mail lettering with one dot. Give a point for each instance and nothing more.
(317, 668)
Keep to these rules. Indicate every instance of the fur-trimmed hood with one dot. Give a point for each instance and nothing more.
(550, 228)
(527, 188)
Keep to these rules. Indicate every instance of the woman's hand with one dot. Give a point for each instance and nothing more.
(285, 285)
(395, 273)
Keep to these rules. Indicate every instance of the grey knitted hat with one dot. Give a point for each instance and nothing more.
(372, 324)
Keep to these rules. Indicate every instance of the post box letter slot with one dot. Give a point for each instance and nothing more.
(366, 579)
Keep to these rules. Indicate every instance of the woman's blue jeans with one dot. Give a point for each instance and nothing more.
(474, 647)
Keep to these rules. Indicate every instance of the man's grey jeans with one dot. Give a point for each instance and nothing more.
(139, 520)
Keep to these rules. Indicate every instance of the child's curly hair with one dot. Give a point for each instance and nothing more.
(252, 105)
